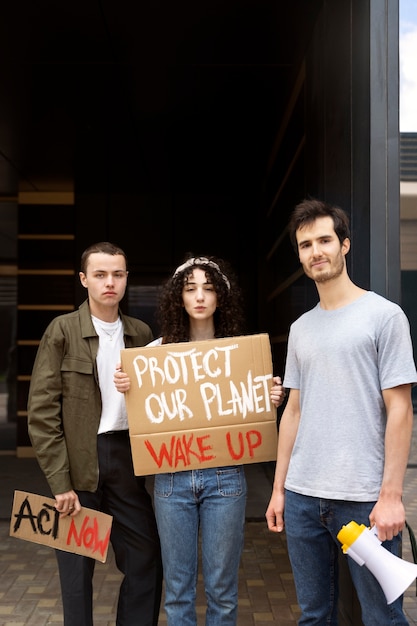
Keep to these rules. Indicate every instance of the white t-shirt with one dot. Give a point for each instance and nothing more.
(340, 360)
(155, 342)
(111, 341)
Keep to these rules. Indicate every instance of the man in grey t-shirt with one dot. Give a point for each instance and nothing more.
(345, 433)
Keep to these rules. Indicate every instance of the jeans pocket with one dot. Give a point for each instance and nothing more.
(231, 481)
(163, 485)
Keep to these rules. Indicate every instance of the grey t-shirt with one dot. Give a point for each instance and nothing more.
(340, 360)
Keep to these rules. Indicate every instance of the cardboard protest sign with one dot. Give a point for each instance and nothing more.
(200, 404)
(34, 518)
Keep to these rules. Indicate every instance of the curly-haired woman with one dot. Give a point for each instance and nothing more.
(201, 300)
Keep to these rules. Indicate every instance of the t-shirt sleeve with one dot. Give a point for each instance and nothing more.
(395, 353)
(292, 371)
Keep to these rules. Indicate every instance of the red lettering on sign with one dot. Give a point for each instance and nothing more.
(253, 440)
(88, 536)
(181, 450)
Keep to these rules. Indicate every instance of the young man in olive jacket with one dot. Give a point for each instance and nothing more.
(78, 428)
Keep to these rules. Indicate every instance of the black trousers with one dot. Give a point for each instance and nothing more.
(134, 538)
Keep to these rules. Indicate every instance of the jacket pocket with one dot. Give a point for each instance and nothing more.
(76, 377)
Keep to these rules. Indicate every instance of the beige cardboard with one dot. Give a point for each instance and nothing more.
(200, 404)
(34, 518)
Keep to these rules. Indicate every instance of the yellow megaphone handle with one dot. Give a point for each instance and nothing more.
(349, 533)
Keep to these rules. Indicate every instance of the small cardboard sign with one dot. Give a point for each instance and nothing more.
(200, 404)
(34, 518)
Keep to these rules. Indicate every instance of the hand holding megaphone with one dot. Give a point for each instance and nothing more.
(363, 546)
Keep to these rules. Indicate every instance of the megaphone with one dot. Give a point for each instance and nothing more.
(362, 544)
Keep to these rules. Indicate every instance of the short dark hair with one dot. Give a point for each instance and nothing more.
(104, 247)
(309, 210)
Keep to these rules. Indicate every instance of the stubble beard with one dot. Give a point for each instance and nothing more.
(328, 275)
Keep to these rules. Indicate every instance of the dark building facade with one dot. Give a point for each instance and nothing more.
(169, 127)
(194, 128)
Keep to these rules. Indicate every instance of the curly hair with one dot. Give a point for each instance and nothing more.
(174, 321)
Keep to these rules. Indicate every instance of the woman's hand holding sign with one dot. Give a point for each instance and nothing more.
(277, 392)
(121, 379)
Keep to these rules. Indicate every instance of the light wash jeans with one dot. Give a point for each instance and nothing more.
(211, 501)
(311, 528)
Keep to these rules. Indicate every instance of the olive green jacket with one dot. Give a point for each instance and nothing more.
(64, 404)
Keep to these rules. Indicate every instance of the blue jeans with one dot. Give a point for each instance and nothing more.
(311, 528)
(211, 501)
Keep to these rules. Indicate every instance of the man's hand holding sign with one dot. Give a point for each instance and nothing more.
(36, 518)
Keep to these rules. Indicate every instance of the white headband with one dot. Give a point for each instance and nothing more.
(201, 260)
